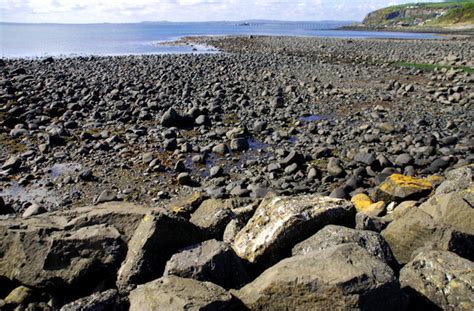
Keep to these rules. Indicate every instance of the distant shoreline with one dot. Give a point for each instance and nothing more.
(442, 31)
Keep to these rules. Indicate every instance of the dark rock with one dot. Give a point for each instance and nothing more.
(212, 217)
(12, 163)
(293, 157)
(171, 118)
(184, 179)
(5, 209)
(334, 168)
(372, 223)
(108, 300)
(154, 241)
(203, 120)
(339, 193)
(365, 158)
(106, 196)
(239, 144)
(404, 160)
(67, 263)
(210, 261)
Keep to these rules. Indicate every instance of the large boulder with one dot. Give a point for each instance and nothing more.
(62, 262)
(340, 277)
(175, 293)
(416, 230)
(171, 118)
(125, 217)
(212, 217)
(211, 261)
(281, 222)
(68, 253)
(184, 207)
(402, 188)
(438, 279)
(333, 235)
(455, 209)
(154, 241)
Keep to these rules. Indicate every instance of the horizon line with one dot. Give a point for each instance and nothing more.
(178, 22)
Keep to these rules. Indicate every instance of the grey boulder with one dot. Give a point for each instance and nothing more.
(154, 241)
(212, 216)
(340, 277)
(211, 261)
(175, 293)
(439, 279)
(333, 235)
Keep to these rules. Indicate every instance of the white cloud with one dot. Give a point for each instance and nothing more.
(74, 11)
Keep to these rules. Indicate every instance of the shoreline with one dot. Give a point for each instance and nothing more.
(442, 31)
(179, 42)
(119, 175)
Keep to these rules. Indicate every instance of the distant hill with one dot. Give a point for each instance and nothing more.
(449, 14)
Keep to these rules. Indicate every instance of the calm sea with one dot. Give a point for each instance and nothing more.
(37, 40)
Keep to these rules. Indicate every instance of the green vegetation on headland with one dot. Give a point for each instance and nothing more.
(433, 66)
(423, 15)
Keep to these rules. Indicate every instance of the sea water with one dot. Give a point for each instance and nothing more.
(39, 40)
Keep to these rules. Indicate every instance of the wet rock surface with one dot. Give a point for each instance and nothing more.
(331, 120)
(215, 181)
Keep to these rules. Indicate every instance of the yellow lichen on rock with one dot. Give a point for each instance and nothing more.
(407, 181)
(375, 209)
(361, 201)
(364, 204)
(401, 187)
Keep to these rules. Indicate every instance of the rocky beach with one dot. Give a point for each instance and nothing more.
(282, 173)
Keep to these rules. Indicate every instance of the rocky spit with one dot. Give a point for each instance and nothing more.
(280, 174)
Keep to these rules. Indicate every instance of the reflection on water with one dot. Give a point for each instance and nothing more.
(62, 169)
(310, 118)
(37, 192)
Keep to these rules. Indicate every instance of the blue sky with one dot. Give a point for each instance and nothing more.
(89, 11)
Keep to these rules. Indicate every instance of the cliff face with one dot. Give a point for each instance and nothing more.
(409, 15)
(426, 14)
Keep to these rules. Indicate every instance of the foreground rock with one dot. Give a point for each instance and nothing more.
(211, 261)
(332, 235)
(212, 216)
(281, 222)
(68, 253)
(445, 222)
(175, 293)
(154, 241)
(437, 279)
(340, 277)
(403, 188)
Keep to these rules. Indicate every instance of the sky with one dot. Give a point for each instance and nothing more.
(126, 11)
